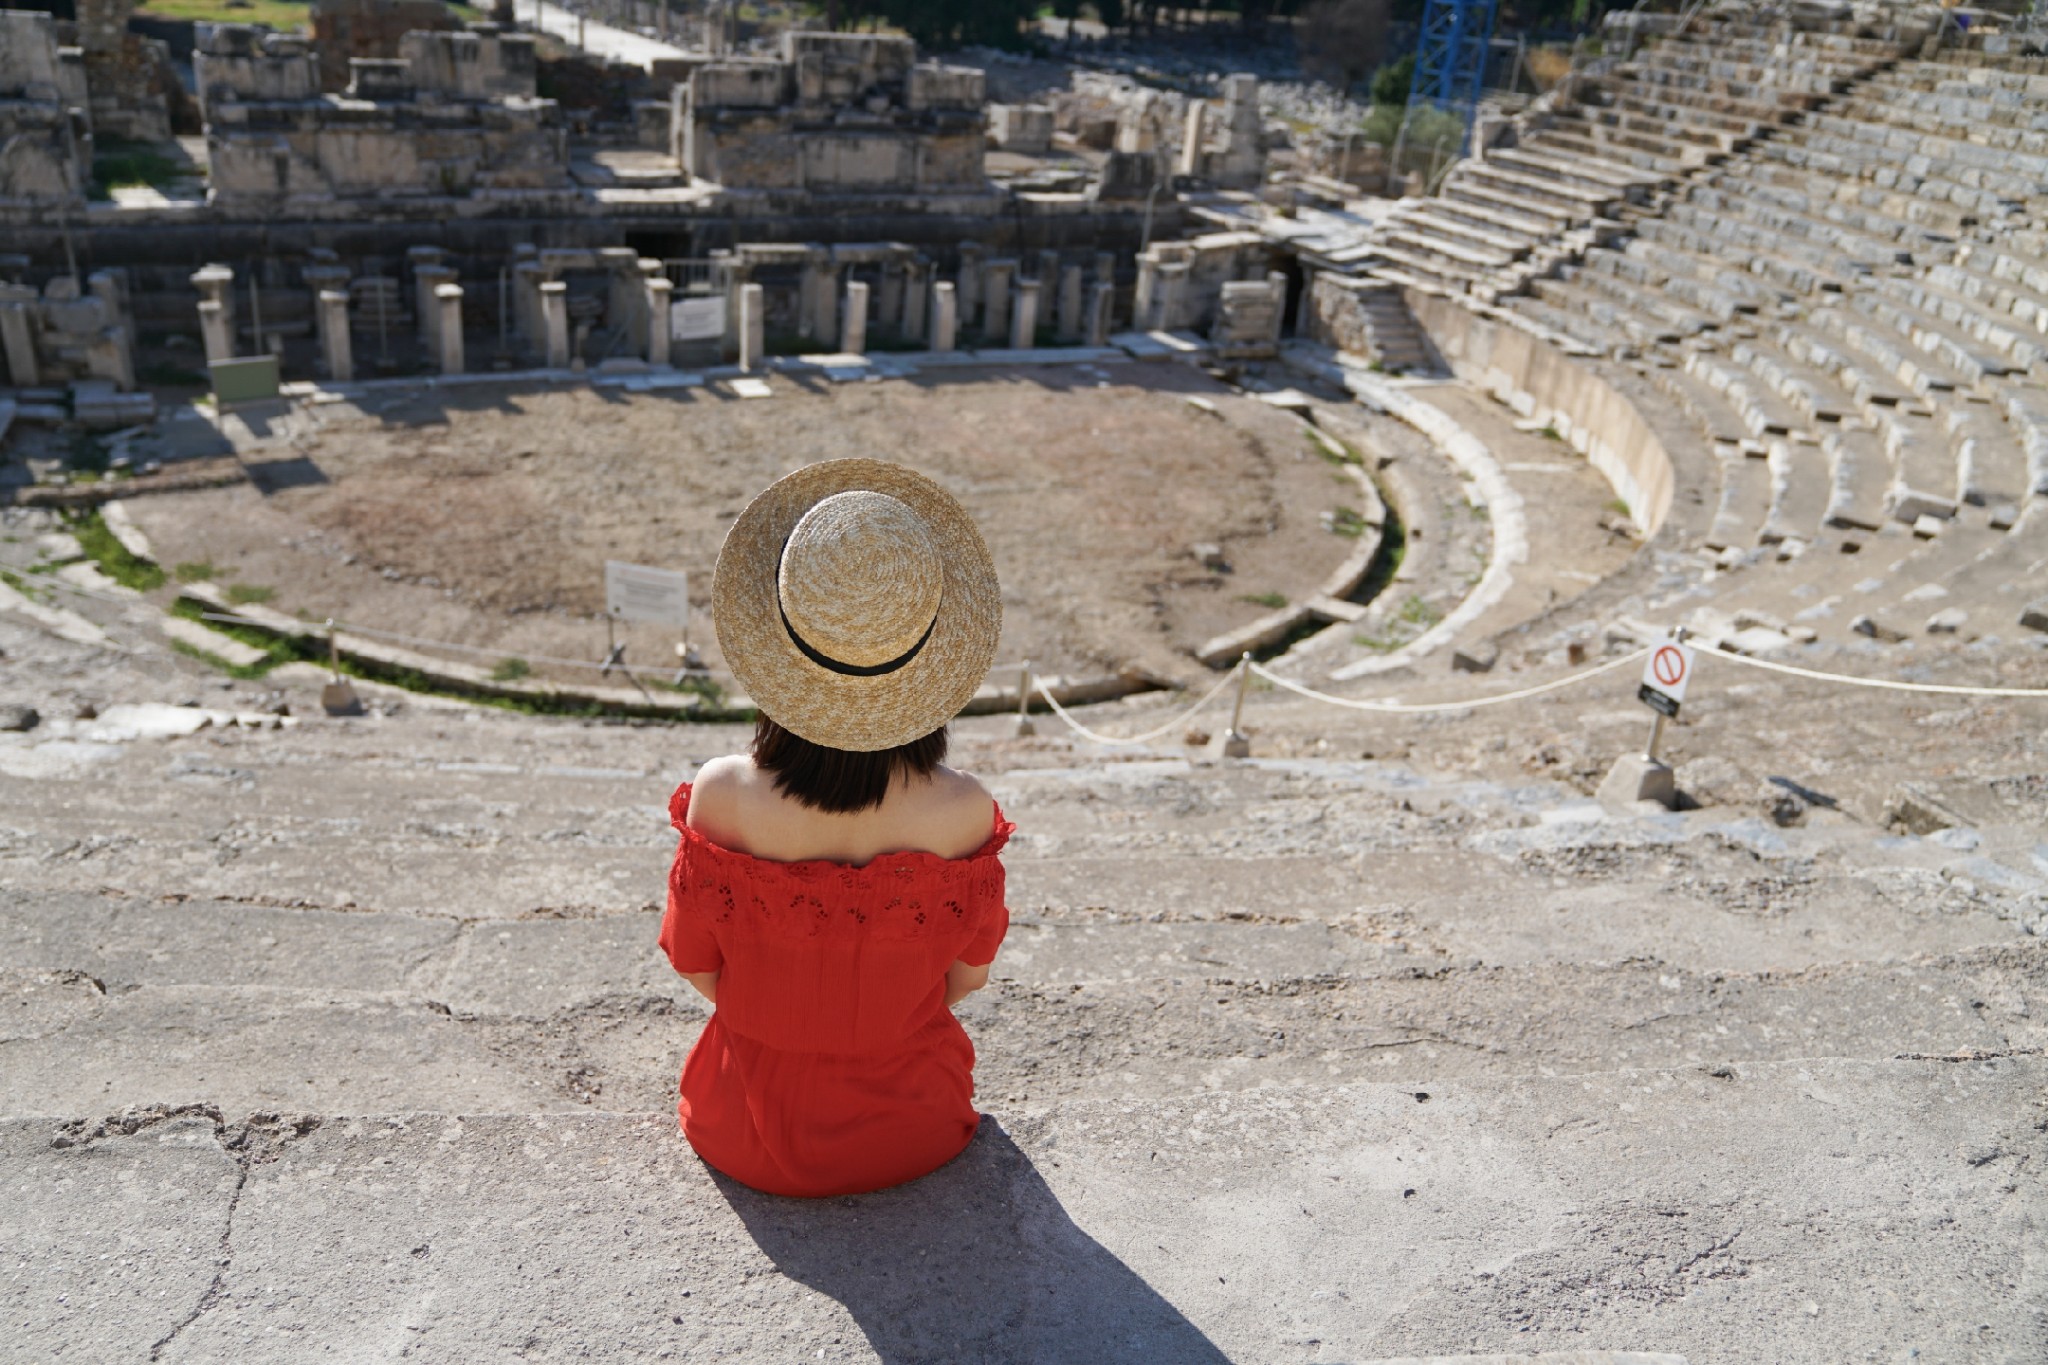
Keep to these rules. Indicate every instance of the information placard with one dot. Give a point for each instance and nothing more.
(635, 592)
(696, 319)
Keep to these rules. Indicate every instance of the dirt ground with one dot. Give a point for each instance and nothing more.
(484, 517)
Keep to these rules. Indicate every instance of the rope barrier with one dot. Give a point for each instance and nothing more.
(1422, 707)
(1948, 689)
(1078, 728)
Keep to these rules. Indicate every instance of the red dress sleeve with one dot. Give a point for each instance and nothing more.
(686, 934)
(992, 916)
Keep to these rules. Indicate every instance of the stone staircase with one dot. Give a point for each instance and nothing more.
(1610, 148)
(1852, 314)
(352, 1037)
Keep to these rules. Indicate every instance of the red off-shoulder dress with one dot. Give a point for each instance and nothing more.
(831, 1064)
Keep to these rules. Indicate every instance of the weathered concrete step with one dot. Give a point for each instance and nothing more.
(1804, 1212)
(74, 1047)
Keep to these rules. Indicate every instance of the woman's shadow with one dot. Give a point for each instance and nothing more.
(975, 1262)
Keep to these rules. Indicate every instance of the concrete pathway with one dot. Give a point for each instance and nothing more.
(601, 40)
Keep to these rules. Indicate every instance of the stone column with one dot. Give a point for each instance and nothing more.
(889, 299)
(1105, 266)
(995, 300)
(944, 316)
(424, 259)
(448, 326)
(1172, 293)
(1048, 275)
(818, 303)
(660, 290)
(1142, 316)
(1191, 138)
(624, 298)
(554, 313)
(967, 293)
(334, 338)
(216, 285)
(1070, 321)
(753, 325)
(853, 324)
(427, 282)
(1024, 322)
(917, 284)
(1277, 282)
(18, 343)
(527, 278)
(216, 330)
(1100, 298)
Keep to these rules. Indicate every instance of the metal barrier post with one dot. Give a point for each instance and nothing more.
(1237, 744)
(1025, 728)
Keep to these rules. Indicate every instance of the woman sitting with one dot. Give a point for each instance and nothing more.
(837, 889)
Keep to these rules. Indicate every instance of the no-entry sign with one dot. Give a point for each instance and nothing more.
(1665, 675)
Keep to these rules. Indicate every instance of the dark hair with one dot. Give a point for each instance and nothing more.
(839, 779)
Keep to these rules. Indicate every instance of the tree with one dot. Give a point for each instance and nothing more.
(1342, 41)
(1394, 80)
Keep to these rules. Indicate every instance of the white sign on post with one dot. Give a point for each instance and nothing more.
(696, 319)
(635, 592)
(1665, 675)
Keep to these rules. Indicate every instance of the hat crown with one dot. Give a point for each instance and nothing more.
(860, 578)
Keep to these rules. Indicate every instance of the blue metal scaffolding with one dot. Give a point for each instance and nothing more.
(1450, 58)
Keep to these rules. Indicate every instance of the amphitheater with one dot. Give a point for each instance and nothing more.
(1415, 1035)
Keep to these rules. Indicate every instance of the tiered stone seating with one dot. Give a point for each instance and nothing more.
(1679, 107)
(1859, 304)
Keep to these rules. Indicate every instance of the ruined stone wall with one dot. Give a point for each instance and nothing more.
(127, 75)
(43, 144)
(343, 29)
(65, 332)
(404, 129)
(838, 114)
(478, 64)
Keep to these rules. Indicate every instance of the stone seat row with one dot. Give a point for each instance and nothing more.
(1872, 208)
(1832, 157)
(1934, 147)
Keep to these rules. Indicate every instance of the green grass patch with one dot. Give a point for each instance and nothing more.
(699, 685)
(511, 670)
(1265, 599)
(279, 14)
(1417, 612)
(1550, 433)
(111, 555)
(1348, 522)
(1331, 449)
(117, 164)
(276, 649)
(249, 594)
(193, 571)
(1619, 506)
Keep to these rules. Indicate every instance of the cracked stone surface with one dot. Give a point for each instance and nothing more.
(352, 1040)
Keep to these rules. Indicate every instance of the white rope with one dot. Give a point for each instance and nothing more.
(1152, 734)
(1950, 689)
(1420, 707)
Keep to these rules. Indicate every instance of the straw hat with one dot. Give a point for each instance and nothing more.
(857, 604)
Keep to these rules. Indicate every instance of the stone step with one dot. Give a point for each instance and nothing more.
(262, 1007)
(1355, 1222)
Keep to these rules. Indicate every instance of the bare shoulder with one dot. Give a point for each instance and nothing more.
(719, 790)
(960, 811)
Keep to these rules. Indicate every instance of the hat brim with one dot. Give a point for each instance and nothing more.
(858, 714)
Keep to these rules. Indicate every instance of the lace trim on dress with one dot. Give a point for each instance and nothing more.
(905, 895)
